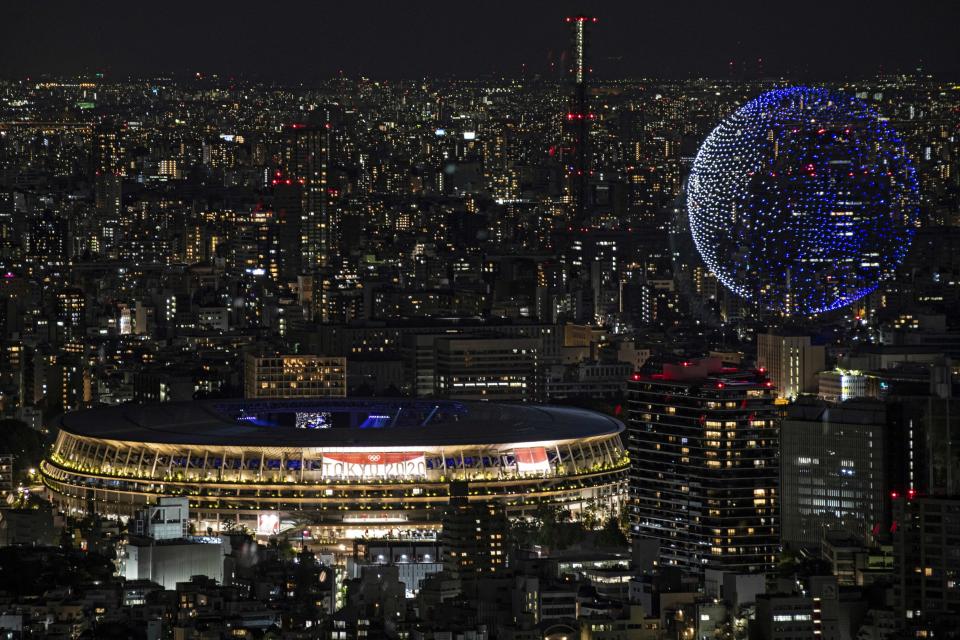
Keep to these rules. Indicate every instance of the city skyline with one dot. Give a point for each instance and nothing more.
(520, 354)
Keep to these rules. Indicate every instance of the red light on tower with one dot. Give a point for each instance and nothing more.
(894, 495)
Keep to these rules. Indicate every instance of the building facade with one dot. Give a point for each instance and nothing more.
(834, 473)
(792, 363)
(926, 539)
(703, 442)
(294, 377)
(485, 368)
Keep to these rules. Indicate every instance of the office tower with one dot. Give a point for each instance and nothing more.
(473, 535)
(704, 476)
(300, 198)
(294, 376)
(106, 161)
(792, 363)
(487, 368)
(579, 117)
(46, 249)
(926, 538)
(106, 152)
(833, 460)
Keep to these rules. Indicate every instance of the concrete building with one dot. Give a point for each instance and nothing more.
(473, 536)
(794, 616)
(28, 526)
(926, 539)
(294, 377)
(586, 379)
(634, 625)
(168, 562)
(415, 560)
(378, 596)
(487, 368)
(791, 362)
(544, 601)
(840, 385)
(833, 469)
(167, 520)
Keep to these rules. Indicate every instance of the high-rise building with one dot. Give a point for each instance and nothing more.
(704, 479)
(833, 460)
(926, 539)
(294, 376)
(108, 196)
(300, 198)
(69, 315)
(473, 535)
(792, 363)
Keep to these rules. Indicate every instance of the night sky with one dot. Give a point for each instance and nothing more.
(309, 41)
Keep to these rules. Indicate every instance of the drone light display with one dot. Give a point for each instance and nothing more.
(803, 200)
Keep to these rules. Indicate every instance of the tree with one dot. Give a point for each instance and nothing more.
(27, 445)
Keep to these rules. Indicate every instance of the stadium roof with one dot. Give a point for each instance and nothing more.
(400, 423)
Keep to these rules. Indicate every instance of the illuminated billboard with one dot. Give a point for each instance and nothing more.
(374, 465)
(532, 460)
(268, 524)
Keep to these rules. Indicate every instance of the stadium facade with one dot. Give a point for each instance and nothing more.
(344, 468)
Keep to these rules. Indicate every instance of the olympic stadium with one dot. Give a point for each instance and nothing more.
(345, 468)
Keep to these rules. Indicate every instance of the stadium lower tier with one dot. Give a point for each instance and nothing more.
(351, 482)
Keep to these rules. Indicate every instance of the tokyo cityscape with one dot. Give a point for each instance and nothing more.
(506, 321)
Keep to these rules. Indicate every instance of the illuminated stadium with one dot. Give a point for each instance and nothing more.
(344, 468)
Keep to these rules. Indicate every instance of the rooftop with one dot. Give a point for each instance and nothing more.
(351, 423)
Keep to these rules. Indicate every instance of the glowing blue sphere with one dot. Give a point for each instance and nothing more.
(802, 200)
